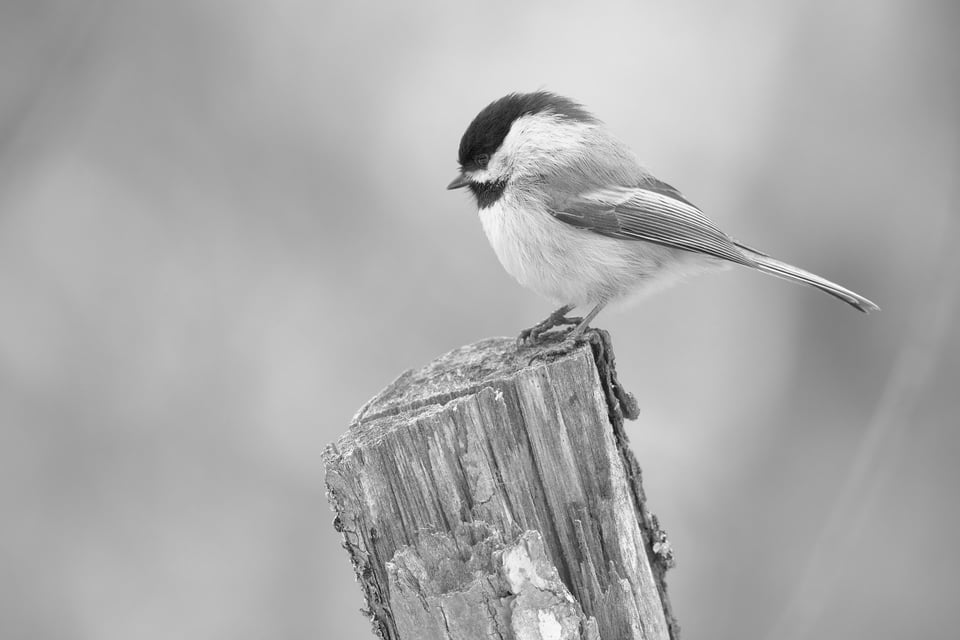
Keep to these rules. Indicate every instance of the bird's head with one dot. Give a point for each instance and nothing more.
(519, 137)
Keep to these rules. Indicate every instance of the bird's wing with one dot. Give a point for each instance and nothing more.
(655, 212)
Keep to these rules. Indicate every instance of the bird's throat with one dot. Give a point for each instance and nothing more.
(487, 193)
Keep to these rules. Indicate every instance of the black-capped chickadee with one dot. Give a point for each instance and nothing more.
(572, 215)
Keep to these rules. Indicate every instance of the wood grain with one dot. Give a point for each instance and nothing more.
(492, 494)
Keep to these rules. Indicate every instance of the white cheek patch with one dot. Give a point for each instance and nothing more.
(481, 175)
(533, 142)
(537, 140)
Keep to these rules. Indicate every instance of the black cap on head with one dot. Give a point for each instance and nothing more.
(487, 131)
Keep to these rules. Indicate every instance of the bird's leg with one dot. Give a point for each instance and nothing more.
(558, 317)
(580, 328)
(569, 341)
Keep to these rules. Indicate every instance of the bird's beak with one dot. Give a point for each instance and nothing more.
(459, 182)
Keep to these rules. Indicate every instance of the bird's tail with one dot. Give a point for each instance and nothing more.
(766, 264)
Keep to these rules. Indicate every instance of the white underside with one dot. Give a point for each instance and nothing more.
(569, 265)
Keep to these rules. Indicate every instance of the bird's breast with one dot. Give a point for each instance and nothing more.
(558, 261)
(571, 265)
(524, 243)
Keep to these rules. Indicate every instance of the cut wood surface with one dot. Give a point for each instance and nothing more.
(492, 494)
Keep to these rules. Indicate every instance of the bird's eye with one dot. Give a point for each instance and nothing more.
(482, 159)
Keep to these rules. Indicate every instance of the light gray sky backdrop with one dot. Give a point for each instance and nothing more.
(223, 227)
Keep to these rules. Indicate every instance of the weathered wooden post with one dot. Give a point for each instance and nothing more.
(492, 494)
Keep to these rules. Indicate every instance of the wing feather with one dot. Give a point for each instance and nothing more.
(654, 213)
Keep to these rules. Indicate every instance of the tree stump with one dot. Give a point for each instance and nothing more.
(492, 494)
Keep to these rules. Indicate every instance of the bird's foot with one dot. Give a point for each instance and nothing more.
(574, 338)
(532, 335)
(558, 318)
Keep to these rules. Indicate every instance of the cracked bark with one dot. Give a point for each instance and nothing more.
(488, 496)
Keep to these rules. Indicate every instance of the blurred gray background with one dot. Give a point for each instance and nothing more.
(223, 227)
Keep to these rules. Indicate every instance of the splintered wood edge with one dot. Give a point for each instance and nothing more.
(466, 370)
(459, 372)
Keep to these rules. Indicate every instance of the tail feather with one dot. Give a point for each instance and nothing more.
(774, 267)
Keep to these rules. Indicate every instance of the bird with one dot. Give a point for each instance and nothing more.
(573, 215)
